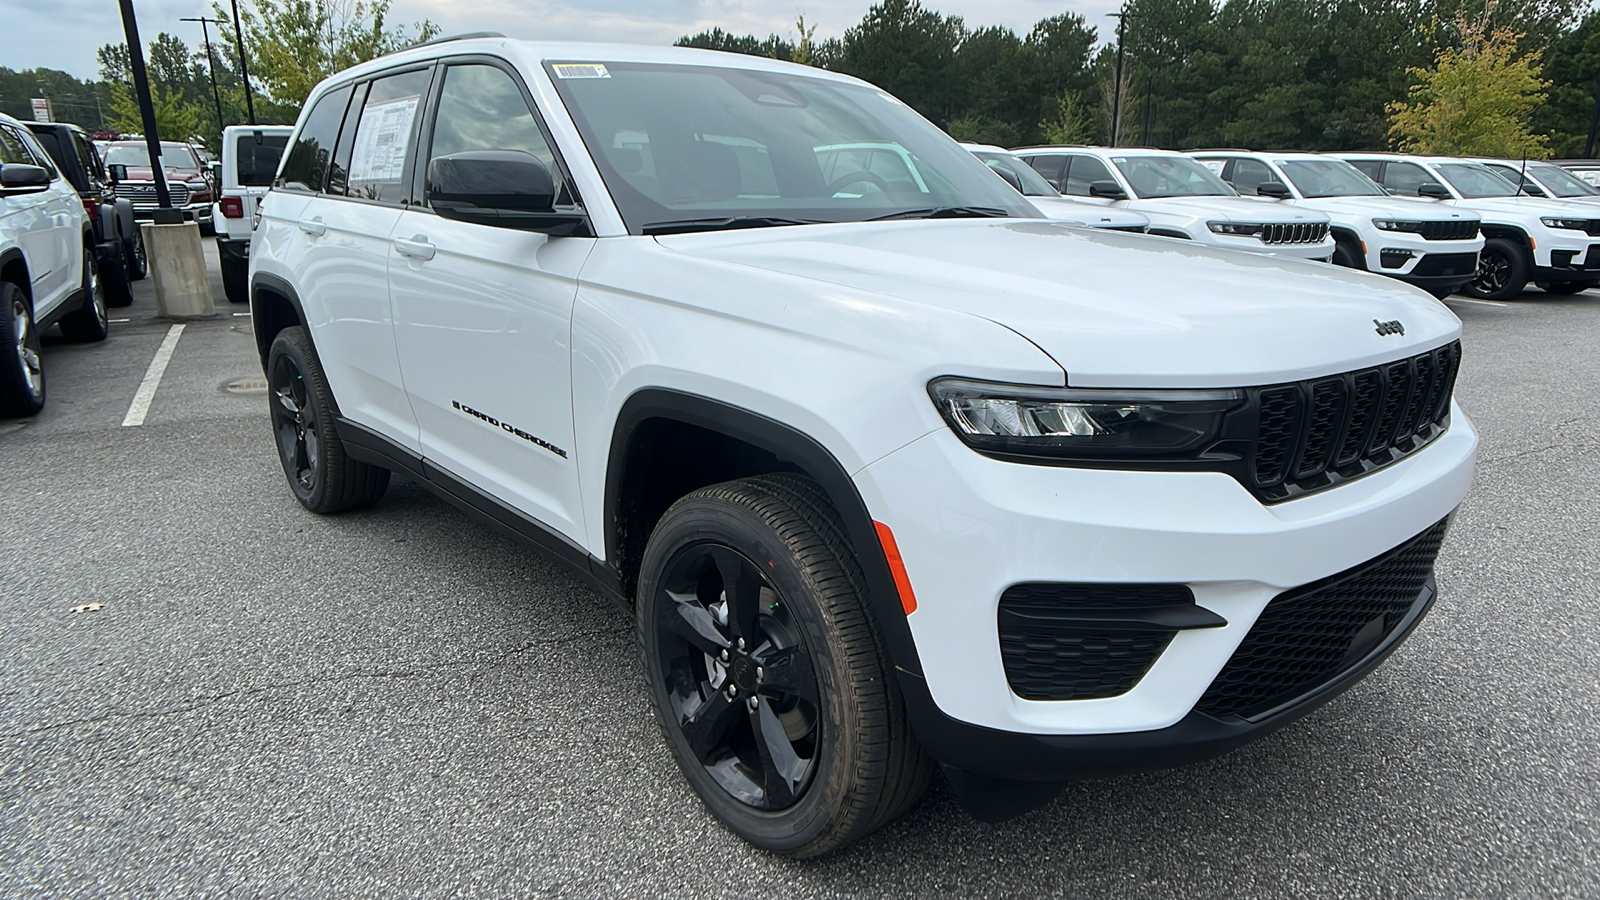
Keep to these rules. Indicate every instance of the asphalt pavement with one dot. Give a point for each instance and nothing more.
(207, 691)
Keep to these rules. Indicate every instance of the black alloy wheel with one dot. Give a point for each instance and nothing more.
(295, 425)
(1502, 271)
(324, 479)
(138, 263)
(738, 675)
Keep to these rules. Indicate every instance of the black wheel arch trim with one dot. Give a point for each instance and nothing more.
(789, 445)
(14, 254)
(268, 283)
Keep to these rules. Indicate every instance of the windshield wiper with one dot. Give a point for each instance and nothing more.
(945, 212)
(682, 226)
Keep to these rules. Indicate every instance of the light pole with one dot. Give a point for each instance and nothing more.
(152, 141)
(244, 65)
(1116, 86)
(211, 63)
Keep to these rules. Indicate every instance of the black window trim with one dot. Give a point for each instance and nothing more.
(407, 177)
(294, 140)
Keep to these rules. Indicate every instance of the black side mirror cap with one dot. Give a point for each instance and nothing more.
(1108, 190)
(117, 172)
(22, 178)
(1277, 190)
(1433, 189)
(500, 188)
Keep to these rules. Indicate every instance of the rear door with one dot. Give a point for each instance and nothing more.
(54, 237)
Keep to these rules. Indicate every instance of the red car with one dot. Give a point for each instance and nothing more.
(187, 180)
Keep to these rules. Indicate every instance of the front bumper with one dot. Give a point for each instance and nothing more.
(193, 212)
(1321, 251)
(968, 527)
(1429, 264)
(1568, 264)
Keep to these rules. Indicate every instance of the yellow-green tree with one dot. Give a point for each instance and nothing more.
(1477, 99)
(176, 119)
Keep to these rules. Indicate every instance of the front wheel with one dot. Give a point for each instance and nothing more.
(1503, 271)
(324, 479)
(766, 669)
(21, 362)
(133, 252)
(88, 325)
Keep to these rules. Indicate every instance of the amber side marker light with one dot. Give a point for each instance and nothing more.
(897, 567)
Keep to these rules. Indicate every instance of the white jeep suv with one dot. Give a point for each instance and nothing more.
(1182, 199)
(250, 158)
(47, 267)
(889, 473)
(1435, 248)
(1048, 200)
(1552, 243)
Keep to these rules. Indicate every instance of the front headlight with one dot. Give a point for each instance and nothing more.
(1070, 423)
(1558, 222)
(1396, 225)
(1237, 229)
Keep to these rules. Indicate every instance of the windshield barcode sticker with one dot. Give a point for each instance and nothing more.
(580, 70)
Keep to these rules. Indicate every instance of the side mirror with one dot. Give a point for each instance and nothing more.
(117, 172)
(1010, 178)
(501, 188)
(1433, 189)
(1108, 190)
(21, 178)
(216, 174)
(1055, 183)
(1277, 190)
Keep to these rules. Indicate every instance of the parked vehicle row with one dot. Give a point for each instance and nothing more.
(119, 244)
(189, 183)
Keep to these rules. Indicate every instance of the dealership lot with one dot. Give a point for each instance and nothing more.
(251, 699)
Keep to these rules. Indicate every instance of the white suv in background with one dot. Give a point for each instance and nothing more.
(47, 267)
(250, 158)
(1182, 199)
(1048, 200)
(1435, 248)
(889, 472)
(1542, 179)
(1552, 243)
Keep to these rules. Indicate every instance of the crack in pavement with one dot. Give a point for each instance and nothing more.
(195, 703)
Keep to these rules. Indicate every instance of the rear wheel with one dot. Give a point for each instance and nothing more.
(1503, 271)
(235, 278)
(324, 479)
(89, 324)
(114, 277)
(21, 365)
(767, 672)
(133, 252)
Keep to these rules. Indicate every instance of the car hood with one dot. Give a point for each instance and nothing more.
(1113, 309)
(1062, 209)
(174, 174)
(1385, 207)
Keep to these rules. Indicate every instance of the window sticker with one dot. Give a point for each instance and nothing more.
(580, 70)
(380, 151)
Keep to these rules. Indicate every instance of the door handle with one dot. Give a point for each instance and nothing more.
(313, 227)
(416, 248)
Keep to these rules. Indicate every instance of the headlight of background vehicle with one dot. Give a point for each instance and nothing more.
(1072, 423)
(1396, 225)
(1237, 229)
(1558, 222)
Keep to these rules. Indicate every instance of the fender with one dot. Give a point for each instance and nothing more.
(274, 285)
(14, 255)
(791, 446)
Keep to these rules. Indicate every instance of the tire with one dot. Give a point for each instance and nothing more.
(133, 252)
(1441, 293)
(21, 363)
(88, 325)
(1348, 256)
(800, 599)
(1565, 287)
(114, 278)
(323, 478)
(1503, 271)
(235, 279)
(208, 228)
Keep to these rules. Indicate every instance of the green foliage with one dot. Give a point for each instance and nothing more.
(79, 102)
(771, 47)
(176, 120)
(1477, 99)
(1574, 73)
(1073, 122)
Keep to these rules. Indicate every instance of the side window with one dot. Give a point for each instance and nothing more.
(482, 108)
(1404, 178)
(11, 149)
(1249, 174)
(40, 157)
(89, 159)
(1369, 167)
(1051, 167)
(307, 164)
(386, 137)
(339, 170)
(1085, 170)
(256, 157)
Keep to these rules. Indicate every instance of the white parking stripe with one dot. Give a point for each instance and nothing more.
(152, 379)
(1479, 302)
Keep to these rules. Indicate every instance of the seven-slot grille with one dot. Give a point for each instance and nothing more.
(1311, 635)
(143, 194)
(1316, 433)
(1452, 230)
(1294, 232)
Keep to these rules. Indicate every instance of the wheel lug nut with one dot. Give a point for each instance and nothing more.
(724, 655)
(760, 673)
(733, 691)
(741, 643)
(752, 703)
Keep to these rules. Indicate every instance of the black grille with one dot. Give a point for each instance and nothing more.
(1311, 635)
(1453, 230)
(1317, 433)
(1294, 232)
(1054, 649)
(1447, 264)
(143, 194)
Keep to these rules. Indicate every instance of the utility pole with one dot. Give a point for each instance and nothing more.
(152, 141)
(211, 64)
(1116, 87)
(244, 65)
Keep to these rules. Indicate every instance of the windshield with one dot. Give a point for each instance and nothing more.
(1033, 184)
(1329, 178)
(679, 143)
(1560, 182)
(1153, 177)
(173, 156)
(1474, 181)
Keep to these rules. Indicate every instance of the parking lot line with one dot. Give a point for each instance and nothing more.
(1479, 302)
(152, 379)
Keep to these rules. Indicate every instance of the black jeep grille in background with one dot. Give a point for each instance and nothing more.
(1051, 652)
(1294, 232)
(1453, 230)
(1316, 433)
(1311, 635)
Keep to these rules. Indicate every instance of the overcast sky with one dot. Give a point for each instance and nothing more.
(64, 34)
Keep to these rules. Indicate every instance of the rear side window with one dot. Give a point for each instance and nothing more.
(1404, 178)
(386, 137)
(1248, 174)
(256, 157)
(51, 143)
(1051, 167)
(87, 157)
(307, 166)
(1085, 171)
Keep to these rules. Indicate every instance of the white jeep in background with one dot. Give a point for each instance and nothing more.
(1552, 243)
(893, 476)
(250, 158)
(1048, 200)
(1182, 199)
(1542, 179)
(1421, 243)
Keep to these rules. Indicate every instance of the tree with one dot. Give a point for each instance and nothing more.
(771, 47)
(1073, 122)
(1477, 99)
(1574, 73)
(175, 119)
(910, 52)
